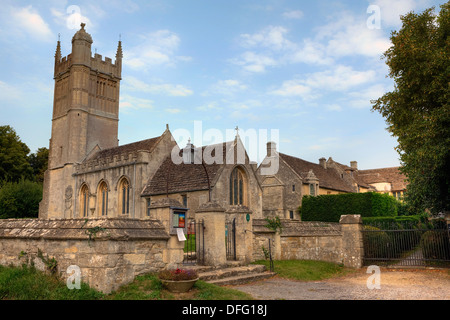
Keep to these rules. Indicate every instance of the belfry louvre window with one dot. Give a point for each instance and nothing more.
(238, 187)
(84, 200)
(124, 196)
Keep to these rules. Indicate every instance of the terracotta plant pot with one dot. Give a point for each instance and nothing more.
(178, 285)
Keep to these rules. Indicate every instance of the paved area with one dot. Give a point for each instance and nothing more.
(394, 285)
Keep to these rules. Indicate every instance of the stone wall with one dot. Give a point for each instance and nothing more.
(116, 251)
(303, 240)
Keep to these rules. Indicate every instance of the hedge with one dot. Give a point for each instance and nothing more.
(329, 208)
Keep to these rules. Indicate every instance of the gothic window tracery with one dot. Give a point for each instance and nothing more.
(124, 196)
(84, 200)
(238, 187)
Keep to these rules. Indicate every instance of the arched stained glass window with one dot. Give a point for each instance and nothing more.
(84, 201)
(102, 199)
(124, 196)
(238, 187)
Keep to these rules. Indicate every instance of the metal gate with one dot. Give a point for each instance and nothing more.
(423, 245)
(230, 239)
(194, 247)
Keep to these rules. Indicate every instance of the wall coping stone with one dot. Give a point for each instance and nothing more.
(350, 219)
(79, 229)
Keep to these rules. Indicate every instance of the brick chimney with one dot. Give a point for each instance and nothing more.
(354, 165)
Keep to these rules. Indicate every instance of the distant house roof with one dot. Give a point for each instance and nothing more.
(183, 177)
(328, 178)
(143, 145)
(390, 175)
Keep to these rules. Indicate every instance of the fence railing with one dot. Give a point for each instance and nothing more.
(194, 247)
(407, 245)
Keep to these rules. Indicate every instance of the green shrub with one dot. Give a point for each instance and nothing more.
(20, 199)
(329, 208)
(435, 245)
(376, 242)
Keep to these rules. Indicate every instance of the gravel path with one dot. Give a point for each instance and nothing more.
(394, 285)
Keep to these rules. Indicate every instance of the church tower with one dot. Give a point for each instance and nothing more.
(86, 102)
(85, 115)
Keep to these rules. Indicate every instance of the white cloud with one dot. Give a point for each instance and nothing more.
(173, 110)
(9, 92)
(155, 49)
(311, 52)
(133, 84)
(392, 10)
(226, 87)
(293, 88)
(349, 35)
(361, 98)
(340, 78)
(333, 107)
(294, 14)
(28, 20)
(128, 102)
(272, 37)
(72, 17)
(254, 62)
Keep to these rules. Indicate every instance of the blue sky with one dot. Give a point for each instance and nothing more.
(306, 69)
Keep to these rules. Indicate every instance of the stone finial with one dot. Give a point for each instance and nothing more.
(58, 50)
(119, 53)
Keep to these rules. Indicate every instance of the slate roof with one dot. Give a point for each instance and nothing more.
(390, 175)
(185, 177)
(328, 178)
(145, 145)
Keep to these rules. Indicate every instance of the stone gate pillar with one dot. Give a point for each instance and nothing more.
(352, 240)
(213, 216)
(244, 235)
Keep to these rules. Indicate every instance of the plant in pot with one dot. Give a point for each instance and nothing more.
(179, 280)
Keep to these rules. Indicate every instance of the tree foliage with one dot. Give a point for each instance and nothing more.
(20, 199)
(21, 176)
(14, 163)
(38, 162)
(417, 111)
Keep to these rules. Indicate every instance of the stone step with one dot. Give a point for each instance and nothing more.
(235, 274)
(230, 272)
(242, 279)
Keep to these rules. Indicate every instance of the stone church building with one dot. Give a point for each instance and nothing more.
(117, 211)
(89, 175)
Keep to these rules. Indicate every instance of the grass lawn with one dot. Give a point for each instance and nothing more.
(306, 270)
(27, 283)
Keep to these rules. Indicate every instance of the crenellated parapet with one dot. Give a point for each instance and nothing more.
(113, 161)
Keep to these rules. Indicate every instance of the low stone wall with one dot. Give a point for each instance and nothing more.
(109, 252)
(311, 241)
(303, 240)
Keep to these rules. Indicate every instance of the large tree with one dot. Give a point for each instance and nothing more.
(417, 111)
(39, 162)
(14, 163)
